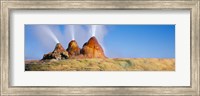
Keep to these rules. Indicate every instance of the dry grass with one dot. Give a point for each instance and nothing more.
(129, 64)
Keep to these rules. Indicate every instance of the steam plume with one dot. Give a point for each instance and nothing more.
(48, 32)
(72, 31)
(48, 35)
(93, 29)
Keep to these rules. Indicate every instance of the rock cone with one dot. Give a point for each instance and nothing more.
(58, 53)
(73, 49)
(92, 49)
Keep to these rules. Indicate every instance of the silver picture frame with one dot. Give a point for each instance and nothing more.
(8, 5)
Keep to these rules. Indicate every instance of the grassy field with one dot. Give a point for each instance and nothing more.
(133, 64)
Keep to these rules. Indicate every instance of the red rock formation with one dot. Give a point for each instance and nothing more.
(92, 49)
(73, 49)
(58, 53)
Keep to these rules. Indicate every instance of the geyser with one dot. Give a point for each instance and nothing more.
(44, 33)
(71, 30)
(54, 37)
(93, 29)
(91, 49)
(48, 32)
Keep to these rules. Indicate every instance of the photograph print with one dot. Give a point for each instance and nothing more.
(93, 47)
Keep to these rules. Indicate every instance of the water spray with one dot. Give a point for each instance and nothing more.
(71, 30)
(47, 32)
(93, 29)
(53, 36)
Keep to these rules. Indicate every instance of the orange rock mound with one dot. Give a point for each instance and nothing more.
(58, 53)
(92, 49)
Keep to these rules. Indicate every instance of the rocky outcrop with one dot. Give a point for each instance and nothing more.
(92, 49)
(73, 49)
(58, 53)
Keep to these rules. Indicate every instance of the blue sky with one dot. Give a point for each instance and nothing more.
(118, 41)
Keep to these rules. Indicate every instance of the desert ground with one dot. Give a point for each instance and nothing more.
(102, 64)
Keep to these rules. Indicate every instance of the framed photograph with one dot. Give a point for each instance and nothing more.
(66, 47)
